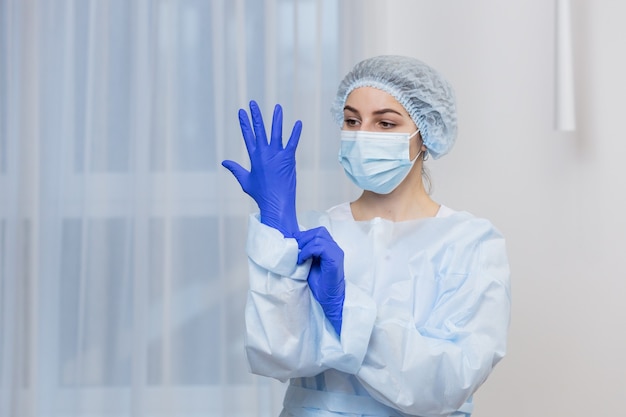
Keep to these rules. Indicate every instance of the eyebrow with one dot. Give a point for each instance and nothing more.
(377, 112)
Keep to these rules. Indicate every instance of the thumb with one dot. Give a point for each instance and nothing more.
(239, 172)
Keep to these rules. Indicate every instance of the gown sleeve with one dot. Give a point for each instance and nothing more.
(287, 334)
(426, 364)
(431, 367)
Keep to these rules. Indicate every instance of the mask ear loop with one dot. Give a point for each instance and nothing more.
(418, 154)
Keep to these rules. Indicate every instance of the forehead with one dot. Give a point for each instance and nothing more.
(369, 99)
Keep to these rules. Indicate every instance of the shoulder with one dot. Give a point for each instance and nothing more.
(469, 245)
(474, 243)
(465, 241)
(466, 223)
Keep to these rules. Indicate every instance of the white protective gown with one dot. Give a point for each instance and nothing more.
(425, 316)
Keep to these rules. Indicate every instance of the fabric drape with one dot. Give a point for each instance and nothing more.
(122, 267)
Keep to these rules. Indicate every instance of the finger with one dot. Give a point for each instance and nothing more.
(306, 236)
(239, 172)
(246, 132)
(276, 140)
(295, 136)
(311, 249)
(257, 124)
(313, 243)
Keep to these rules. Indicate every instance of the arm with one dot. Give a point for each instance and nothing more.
(287, 333)
(432, 368)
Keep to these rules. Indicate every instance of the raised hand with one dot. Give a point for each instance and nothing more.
(271, 181)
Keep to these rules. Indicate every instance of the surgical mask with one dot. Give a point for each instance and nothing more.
(376, 161)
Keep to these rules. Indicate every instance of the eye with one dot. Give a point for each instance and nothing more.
(386, 125)
(350, 122)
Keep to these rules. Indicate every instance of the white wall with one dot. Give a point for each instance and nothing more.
(558, 197)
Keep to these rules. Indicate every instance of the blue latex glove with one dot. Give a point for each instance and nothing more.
(271, 181)
(326, 278)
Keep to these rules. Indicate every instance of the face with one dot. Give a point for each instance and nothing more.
(374, 110)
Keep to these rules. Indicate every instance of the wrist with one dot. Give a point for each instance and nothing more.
(285, 223)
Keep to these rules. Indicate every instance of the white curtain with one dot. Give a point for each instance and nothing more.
(122, 262)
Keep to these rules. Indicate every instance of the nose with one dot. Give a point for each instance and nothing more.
(367, 126)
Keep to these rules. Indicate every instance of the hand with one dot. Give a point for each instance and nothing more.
(326, 278)
(271, 181)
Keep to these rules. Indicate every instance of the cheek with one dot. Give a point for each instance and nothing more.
(412, 150)
(414, 147)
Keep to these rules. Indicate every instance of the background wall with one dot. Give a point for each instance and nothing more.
(558, 197)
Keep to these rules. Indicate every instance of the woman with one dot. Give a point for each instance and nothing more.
(393, 304)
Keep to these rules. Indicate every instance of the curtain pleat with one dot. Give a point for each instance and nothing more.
(123, 274)
(137, 233)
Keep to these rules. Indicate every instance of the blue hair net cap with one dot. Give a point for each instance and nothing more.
(426, 96)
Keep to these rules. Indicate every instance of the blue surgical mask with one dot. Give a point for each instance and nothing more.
(376, 161)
